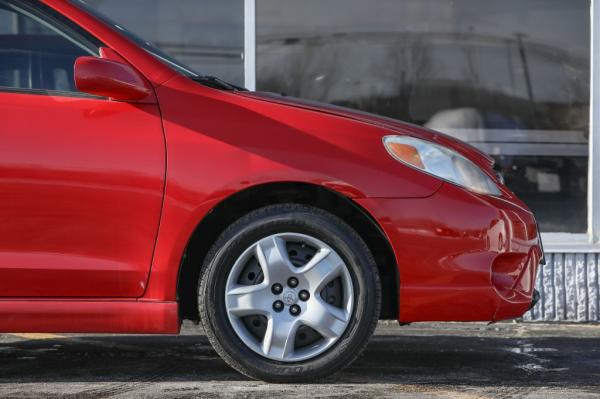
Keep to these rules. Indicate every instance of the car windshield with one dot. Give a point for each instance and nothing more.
(146, 45)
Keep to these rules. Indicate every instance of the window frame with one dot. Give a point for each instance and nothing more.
(588, 242)
(64, 27)
(250, 44)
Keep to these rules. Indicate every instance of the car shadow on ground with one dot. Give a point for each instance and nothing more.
(389, 359)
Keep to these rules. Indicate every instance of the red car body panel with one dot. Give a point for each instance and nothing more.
(451, 247)
(87, 316)
(467, 150)
(102, 197)
(81, 192)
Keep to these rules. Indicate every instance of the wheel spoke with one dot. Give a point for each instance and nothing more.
(273, 258)
(321, 269)
(279, 338)
(245, 300)
(326, 319)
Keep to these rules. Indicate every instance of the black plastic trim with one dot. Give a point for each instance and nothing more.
(55, 93)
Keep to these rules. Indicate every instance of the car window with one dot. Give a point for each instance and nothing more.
(36, 53)
(146, 45)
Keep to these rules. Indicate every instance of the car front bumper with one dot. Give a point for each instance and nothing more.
(461, 256)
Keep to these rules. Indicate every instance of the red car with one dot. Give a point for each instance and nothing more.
(136, 193)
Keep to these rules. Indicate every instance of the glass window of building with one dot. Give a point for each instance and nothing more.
(510, 77)
(206, 35)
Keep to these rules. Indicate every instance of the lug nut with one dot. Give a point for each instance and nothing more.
(278, 306)
(292, 282)
(304, 295)
(276, 288)
(294, 310)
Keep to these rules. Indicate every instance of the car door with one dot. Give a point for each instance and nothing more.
(81, 177)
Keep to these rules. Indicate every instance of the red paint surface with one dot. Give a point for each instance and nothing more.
(99, 198)
(52, 316)
(109, 78)
(81, 190)
(446, 246)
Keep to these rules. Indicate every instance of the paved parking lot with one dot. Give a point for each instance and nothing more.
(459, 361)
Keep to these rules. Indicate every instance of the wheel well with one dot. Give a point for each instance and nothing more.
(253, 198)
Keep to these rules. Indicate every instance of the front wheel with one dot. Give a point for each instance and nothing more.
(289, 293)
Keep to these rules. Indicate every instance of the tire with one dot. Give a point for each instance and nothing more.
(342, 286)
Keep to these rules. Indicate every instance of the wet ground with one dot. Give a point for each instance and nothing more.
(459, 361)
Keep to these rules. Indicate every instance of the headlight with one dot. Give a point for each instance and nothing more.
(441, 162)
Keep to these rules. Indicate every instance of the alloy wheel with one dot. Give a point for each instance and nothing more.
(289, 297)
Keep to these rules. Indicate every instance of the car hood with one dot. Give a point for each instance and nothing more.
(470, 152)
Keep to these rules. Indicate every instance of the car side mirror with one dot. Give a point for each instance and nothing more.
(109, 78)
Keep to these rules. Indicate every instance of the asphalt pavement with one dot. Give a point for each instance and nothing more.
(458, 361)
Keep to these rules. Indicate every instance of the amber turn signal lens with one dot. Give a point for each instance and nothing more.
(407, 153)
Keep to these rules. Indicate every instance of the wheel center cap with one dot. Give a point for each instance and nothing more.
(289, 297)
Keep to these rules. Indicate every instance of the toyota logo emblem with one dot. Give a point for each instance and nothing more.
(289, 297)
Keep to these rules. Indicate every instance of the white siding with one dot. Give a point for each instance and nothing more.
(569, 289)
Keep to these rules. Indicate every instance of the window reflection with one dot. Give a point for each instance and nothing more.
(33, 56)
(510, 77)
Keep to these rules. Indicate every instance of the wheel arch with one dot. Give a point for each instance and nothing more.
(242, 202)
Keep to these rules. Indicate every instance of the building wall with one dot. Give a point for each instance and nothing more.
(569, 285)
